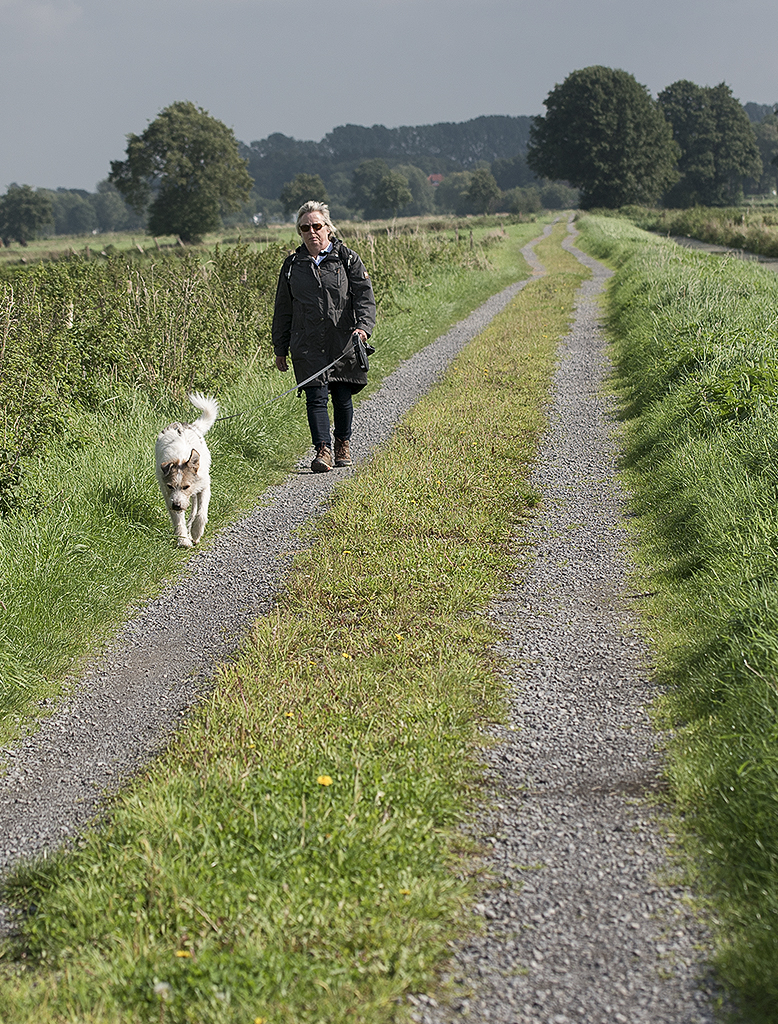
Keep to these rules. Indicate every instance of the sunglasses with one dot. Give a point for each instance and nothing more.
(310, 227)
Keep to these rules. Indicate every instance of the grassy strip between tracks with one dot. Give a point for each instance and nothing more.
(92, 534)
(294, 856)
(696, 341)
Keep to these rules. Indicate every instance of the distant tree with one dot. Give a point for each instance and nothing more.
(767, 140)
(423, 194)
(300, 189)
(364, 181)
(757, 112)
(391, 193)
(23, 212)
(512, 172)
(521, 200)
(718, 145)
(451, 195)
(557, 196)
(185, 169)
(605, 135)
(112, 213)
(72, 211)
(483, 190)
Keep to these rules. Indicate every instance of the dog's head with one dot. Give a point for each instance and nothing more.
(181, 480)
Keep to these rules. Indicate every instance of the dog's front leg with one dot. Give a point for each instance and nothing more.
(178, 519)
(199, 513)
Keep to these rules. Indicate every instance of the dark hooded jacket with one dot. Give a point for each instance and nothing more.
(317, 309)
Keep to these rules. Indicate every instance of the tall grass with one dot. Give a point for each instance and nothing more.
(696, 342)
(292, 858)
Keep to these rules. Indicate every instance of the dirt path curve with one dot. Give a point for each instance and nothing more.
(581, 924)
(140, 689)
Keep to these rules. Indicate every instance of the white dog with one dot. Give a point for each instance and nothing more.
(183, 464)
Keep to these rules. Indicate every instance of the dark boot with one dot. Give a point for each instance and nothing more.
(323, 461)
(342, 453)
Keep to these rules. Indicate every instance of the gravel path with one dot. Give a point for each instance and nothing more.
(582, 922)
(140, 689)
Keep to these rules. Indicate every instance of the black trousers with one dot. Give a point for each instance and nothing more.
(316, 398)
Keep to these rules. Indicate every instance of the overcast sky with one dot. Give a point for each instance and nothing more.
(76, 76)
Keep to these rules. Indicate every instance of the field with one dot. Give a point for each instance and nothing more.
(137, 246)
(330, 837)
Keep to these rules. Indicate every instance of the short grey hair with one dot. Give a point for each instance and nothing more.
(313, 207)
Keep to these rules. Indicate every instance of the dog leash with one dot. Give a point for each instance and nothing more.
(302, 384)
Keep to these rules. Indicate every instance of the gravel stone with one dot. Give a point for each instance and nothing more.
(582, 921)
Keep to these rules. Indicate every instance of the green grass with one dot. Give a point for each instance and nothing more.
(696, 342)
(294, 855)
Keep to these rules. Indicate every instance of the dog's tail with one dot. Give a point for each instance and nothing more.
(209, 408)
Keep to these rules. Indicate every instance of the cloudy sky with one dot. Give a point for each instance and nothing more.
(77, 75)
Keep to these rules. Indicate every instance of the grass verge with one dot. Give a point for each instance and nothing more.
(96, 536)
(696, 341)
(293, 857)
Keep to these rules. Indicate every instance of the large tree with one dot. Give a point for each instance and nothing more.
(605, 135)
(185, 169)
(717, 142)
(23, 212)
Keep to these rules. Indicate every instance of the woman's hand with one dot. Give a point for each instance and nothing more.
(361, 333)
(281, 364)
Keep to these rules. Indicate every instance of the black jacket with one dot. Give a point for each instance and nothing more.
(317, 309)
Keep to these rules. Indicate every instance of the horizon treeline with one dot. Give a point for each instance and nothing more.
(493, 147)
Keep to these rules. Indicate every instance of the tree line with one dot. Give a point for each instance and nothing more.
(692, 146)
(603, 140)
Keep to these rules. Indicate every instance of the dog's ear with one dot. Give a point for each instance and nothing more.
(194, 460)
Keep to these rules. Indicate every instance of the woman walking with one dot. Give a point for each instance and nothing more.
(324, 296)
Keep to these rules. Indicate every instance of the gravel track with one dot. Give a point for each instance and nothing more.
(131, 698)
(582, 921)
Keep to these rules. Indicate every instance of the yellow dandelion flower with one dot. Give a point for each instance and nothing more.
(324, 780)
(183, 952)
(290, 714)
(405, 892)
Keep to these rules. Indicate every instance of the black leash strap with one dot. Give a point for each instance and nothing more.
(359, 348)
